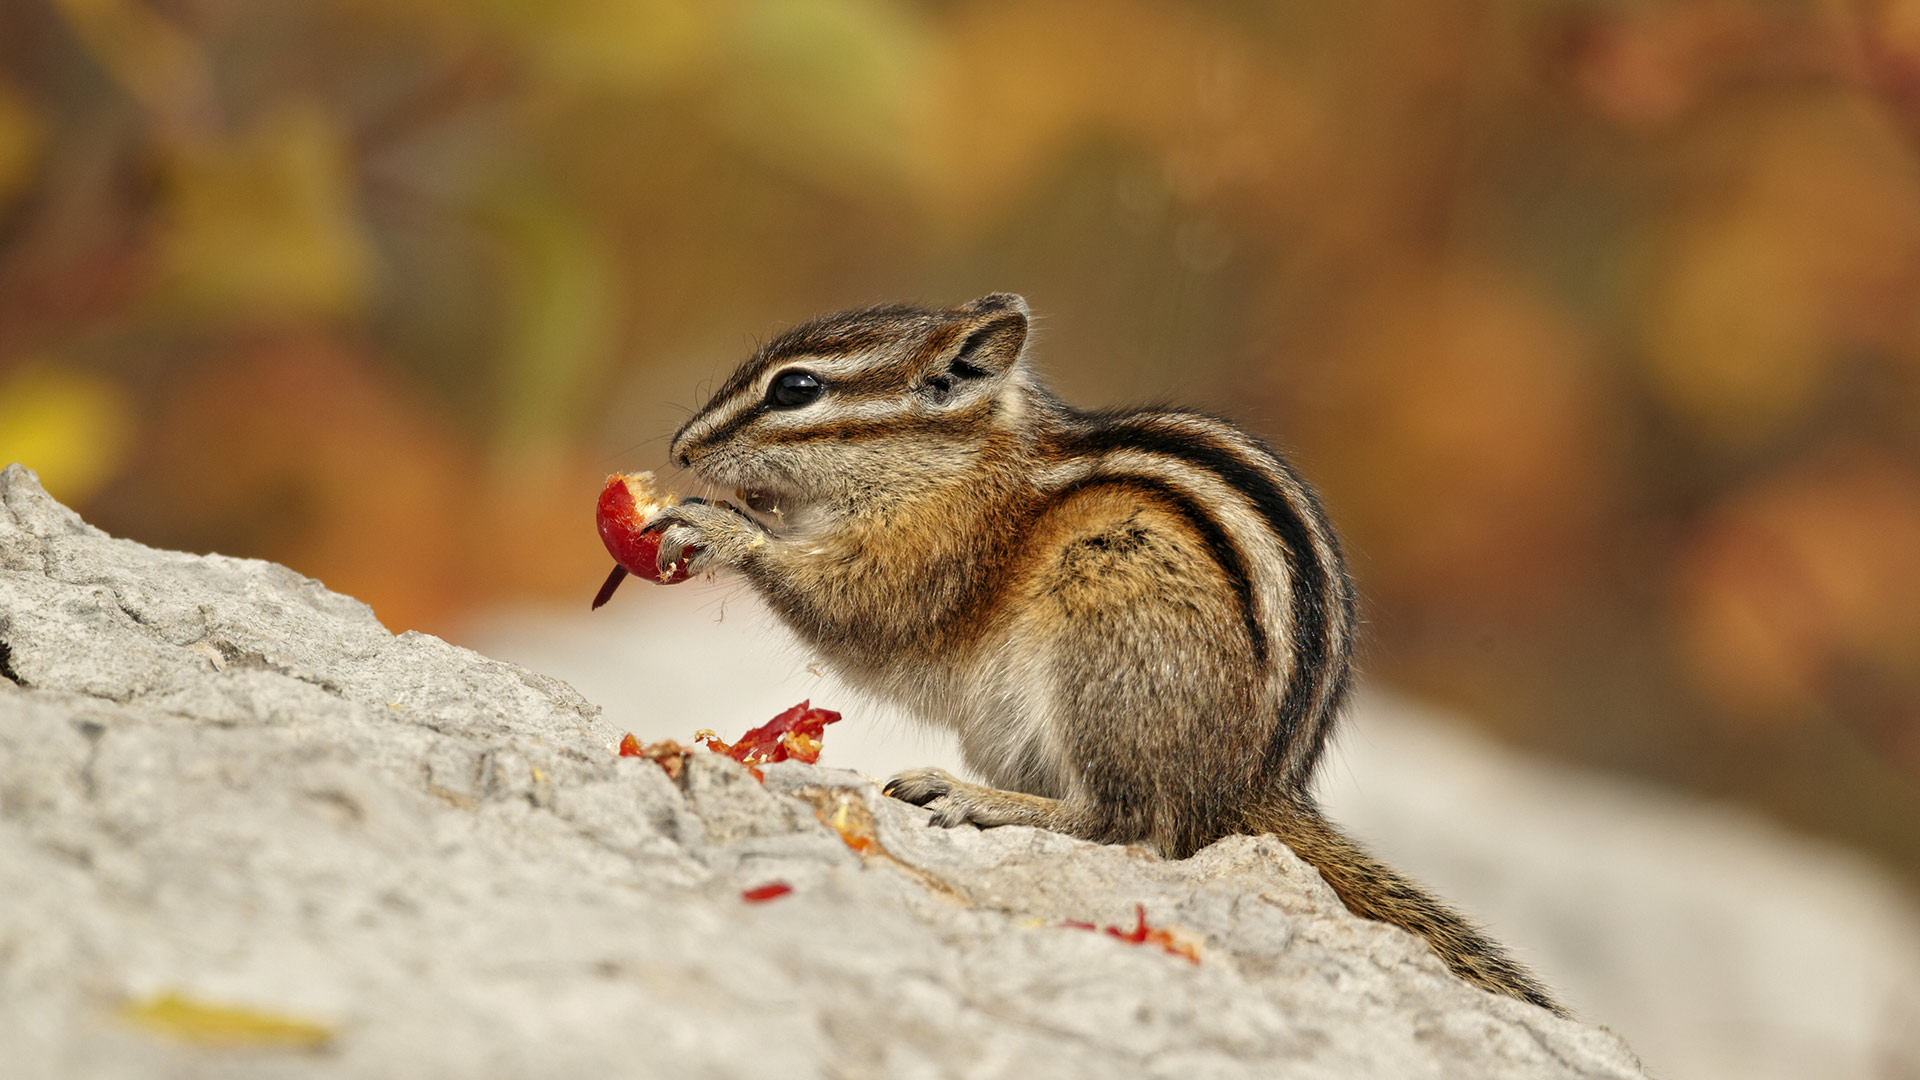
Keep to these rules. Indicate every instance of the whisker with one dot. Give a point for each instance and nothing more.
(610, 458)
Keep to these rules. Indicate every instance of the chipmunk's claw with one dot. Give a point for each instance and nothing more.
(920, 786)
(702, 535)
(938, 791)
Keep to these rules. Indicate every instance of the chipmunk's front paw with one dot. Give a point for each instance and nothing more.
(938, 791)
(920, 786)
(705, 536)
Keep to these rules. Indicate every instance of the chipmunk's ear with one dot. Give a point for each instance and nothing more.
(995, 332)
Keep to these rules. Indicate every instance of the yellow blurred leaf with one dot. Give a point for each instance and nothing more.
(1808, 257)
(265, 226)
(617, 45)
(217, 1025)
(1016, 86)
(21, 136)
(71, 427)
(159, 64)
(832, 89)
(559, 316)
(1735, 343)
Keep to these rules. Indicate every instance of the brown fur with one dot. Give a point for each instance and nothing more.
(1137, 622)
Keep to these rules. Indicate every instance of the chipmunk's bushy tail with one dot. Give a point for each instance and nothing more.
(1373, 890)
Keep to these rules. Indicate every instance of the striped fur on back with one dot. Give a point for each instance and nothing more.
(1311, 641)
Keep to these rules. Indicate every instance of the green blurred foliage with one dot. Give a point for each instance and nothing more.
(1598, 321)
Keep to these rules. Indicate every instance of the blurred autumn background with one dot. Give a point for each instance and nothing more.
(1597, 323)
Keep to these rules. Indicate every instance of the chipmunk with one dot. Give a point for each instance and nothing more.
(1138, 621)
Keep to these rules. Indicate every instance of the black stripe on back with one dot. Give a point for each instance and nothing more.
(1309, 629)
(1336, 694)
(1226, 554)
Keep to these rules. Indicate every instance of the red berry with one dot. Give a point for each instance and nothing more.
(626, 503)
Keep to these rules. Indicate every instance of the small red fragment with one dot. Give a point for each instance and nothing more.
(626, 502)
(760, 894)
(1137, 935)
(794, 735)
(666, 753)
(1142, 934)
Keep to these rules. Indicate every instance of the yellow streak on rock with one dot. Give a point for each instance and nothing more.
(219, 1025)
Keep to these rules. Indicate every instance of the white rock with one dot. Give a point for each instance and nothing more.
(1723, 946)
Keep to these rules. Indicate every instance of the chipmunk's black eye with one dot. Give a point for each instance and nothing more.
(792, 389)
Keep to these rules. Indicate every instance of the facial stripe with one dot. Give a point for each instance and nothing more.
(892, 379)
(850, 380)
(901, 422)
(838, 368)
(839, 356)
(726, 429)
(1220, 546)
(745, 401)
(1308, 609)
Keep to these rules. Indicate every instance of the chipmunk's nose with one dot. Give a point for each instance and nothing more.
(677, 450)
(690, 437)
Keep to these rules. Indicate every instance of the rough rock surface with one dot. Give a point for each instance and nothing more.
(1721, 946)
(246, 831)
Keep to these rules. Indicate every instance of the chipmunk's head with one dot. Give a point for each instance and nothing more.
(860, 409)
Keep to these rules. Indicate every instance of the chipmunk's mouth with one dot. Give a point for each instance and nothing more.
(779, 511)
(760, 502)
(762, 488)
